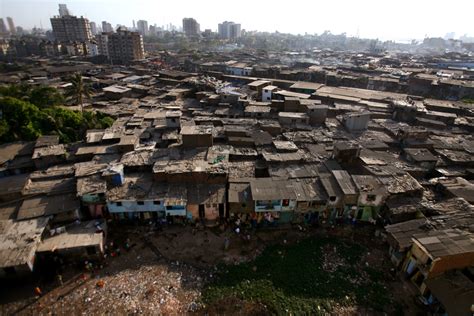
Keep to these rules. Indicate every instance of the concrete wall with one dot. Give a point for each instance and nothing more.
(211, 211)
(274, 206)
(266, 96)
(317, 116)
(132, 206)
(364, 201)
(288, 121)
(447, 263)
(357, 122)
(173, 124)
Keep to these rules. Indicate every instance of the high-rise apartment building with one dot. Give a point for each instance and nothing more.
(71, 28)
(229, 30)
(63, 10)
(125, 46)
(11, 25)
(3, 27)
(107, 27)
(142, 27)
(93, 28)
(190, 27)
(103, 43)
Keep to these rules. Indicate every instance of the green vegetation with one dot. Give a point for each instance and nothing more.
(27, 112)
(78, 90)
(296, 279)
(41, 96)
(468, 101)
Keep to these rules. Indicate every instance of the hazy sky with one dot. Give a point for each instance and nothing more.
(399, 19)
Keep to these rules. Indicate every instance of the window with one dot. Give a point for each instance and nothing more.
(285, 202)
(156, 202)
(268, 98)
(332, 198)
(169, 207)
(371, 197)
(140, 203)
(118, 203)
(266, 91)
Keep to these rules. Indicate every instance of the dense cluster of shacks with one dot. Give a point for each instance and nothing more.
(221, 145)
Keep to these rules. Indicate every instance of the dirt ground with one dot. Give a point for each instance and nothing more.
(162, 273)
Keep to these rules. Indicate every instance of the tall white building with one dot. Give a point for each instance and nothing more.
(11, 25)
(92, 49)
(93, 28)
(3, 27)
(107, 27)
(142, 27)
(229, 30)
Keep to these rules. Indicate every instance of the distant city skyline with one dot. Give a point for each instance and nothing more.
(401, 21)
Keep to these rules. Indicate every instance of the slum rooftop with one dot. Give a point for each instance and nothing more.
(386, 135)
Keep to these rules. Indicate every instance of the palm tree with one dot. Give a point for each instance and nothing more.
(78, 90)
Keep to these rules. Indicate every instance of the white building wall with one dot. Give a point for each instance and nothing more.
(92, 49)
(266, 95)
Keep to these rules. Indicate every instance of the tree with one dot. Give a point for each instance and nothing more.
(18, 91)
(41, 96)
(22, 120)
(18, 117)
(44, 97)
(78, 91)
